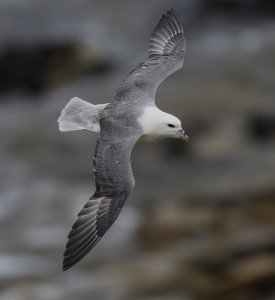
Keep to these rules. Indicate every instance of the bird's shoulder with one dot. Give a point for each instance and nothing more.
(120, 119)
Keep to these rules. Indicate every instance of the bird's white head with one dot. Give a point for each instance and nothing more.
(159, 125)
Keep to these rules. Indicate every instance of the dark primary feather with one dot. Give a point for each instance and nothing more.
(167, 47)
(167, 37)
(114, 182)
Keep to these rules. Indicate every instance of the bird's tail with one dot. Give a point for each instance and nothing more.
(79, 114)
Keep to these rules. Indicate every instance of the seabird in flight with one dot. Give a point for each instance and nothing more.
(131, 117)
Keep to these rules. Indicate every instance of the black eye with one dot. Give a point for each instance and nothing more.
(171, 125)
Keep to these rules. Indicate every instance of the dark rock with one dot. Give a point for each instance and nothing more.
(163, 227)
(262, 128)
(241, 7)
(39, 67)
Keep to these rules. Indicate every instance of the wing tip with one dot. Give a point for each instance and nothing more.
(87, 230)
(70, 260)
(169, 11)
(68, 264)
(173, 16)
(167, 34)
(65, 268)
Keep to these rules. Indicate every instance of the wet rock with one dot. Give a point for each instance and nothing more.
(245, 8)
(235, 261)
(165, 226)
(15, 266)
(39, 67)
(262, 128)
(253, 268)
(62, 288)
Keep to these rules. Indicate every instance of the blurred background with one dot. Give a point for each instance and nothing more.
(201, 222)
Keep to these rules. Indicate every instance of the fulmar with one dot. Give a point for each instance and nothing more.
(131, 117)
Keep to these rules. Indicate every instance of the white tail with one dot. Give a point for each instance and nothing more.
(79, 114)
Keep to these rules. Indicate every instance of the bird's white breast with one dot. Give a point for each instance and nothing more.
(150, 120)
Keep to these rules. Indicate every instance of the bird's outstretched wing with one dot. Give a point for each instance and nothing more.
(114, 182)
(167, 47)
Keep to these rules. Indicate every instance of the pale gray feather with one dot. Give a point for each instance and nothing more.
(79, 114)
(167, 47)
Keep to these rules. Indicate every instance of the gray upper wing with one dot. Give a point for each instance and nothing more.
(167, 47)
(114, 182)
